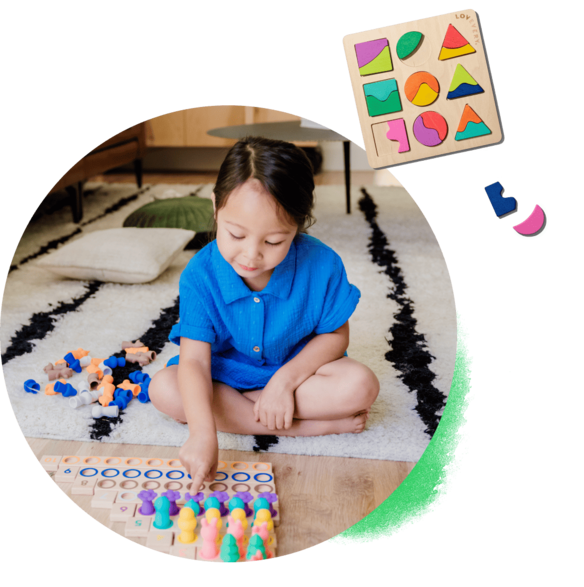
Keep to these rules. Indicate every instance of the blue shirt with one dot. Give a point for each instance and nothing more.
(252, 334)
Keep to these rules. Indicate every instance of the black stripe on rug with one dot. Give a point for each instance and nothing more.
(154, 338)
(409, 351)
(41, 323)
(51, 245)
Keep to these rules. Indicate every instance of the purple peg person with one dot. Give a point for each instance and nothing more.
(147, 496)
(270, 498)
(172, 497)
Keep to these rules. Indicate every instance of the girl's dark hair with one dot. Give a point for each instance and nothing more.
(282, 168)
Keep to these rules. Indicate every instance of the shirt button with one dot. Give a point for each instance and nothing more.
(256, 349)
(257, 300)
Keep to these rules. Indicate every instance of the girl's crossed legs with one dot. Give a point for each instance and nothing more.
(336, 399)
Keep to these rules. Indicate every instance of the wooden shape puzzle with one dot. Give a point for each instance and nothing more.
(391, 136)
(534, 224)
(471, 84)
(116, 481)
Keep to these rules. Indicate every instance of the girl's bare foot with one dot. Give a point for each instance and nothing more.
(353, 424)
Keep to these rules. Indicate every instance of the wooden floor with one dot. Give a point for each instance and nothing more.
(319, 496)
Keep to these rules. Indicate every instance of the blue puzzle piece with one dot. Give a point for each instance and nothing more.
(502, 206)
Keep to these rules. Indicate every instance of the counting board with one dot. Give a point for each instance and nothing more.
(422, 89)
(114, 484)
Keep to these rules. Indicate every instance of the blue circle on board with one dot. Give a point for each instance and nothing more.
(125, 473)
(83, 472)
(261, 480)
(175, 478)
(237, 476)
(103, 473)
(153, 471)
(217, 478)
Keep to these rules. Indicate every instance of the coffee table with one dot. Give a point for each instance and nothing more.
(290, 130)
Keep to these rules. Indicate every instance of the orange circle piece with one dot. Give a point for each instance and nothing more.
(414, 82)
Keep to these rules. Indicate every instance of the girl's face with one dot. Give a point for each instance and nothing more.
(251, 235)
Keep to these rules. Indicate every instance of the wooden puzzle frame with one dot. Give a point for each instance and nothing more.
(382, 152)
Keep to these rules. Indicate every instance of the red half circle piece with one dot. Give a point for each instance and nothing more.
(434, 120)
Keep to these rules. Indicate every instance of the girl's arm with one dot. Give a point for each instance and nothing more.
(199, 454)
(276, 408)
(322, 349)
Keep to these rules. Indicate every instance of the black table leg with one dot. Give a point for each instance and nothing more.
(347, 157)
(138, 171)
(76, 194)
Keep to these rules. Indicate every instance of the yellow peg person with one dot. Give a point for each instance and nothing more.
(239, 514)
(264, 516)
(187, 522)
(214, 513)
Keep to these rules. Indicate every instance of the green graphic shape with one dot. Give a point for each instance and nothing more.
(461, 76)
(408, 44)
(419, 490)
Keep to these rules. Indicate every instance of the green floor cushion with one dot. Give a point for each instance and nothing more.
(190, 213)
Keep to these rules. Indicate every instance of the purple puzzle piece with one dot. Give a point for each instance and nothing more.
(198, 498)
(222, 496)
(270, 498)
(172, 497)
(246, 497)
(369, 50)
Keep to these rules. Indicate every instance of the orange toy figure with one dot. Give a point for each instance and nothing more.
(79, 353)
(107, 389)
(49, 389)
(133, 387)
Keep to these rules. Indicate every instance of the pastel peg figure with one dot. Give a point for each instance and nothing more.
(212, 503)
(246, 497)
(261, 503)
(262, 531)
(212, 513)
(236, 503)
(222, 497)
(193, 505)
(229, 550)
(210, 534)
(235, 528)
(147, 496)
(271, 499)
(197, 498)
(255, 548)
(239, 514)
(162, 519)
(264, 516)
(172, 497)
(187, 522)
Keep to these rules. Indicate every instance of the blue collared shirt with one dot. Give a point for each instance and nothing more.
(252, 334)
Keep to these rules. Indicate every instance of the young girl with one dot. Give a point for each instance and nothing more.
(264, 312)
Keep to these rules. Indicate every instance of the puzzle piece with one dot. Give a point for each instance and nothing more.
(422, 88)
(502, 206)
(373, 57)
(408, 44)
(471, 125)
(382, 97)
(463, 84)
(534, 224)
(430, 128)
(454, 45)
(397, 132)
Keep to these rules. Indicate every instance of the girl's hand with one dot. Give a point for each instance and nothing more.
(275, 406)
(199, 456)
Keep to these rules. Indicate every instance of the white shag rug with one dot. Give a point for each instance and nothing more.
(70, 314)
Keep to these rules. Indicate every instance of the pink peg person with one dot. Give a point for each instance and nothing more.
(209, 532)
